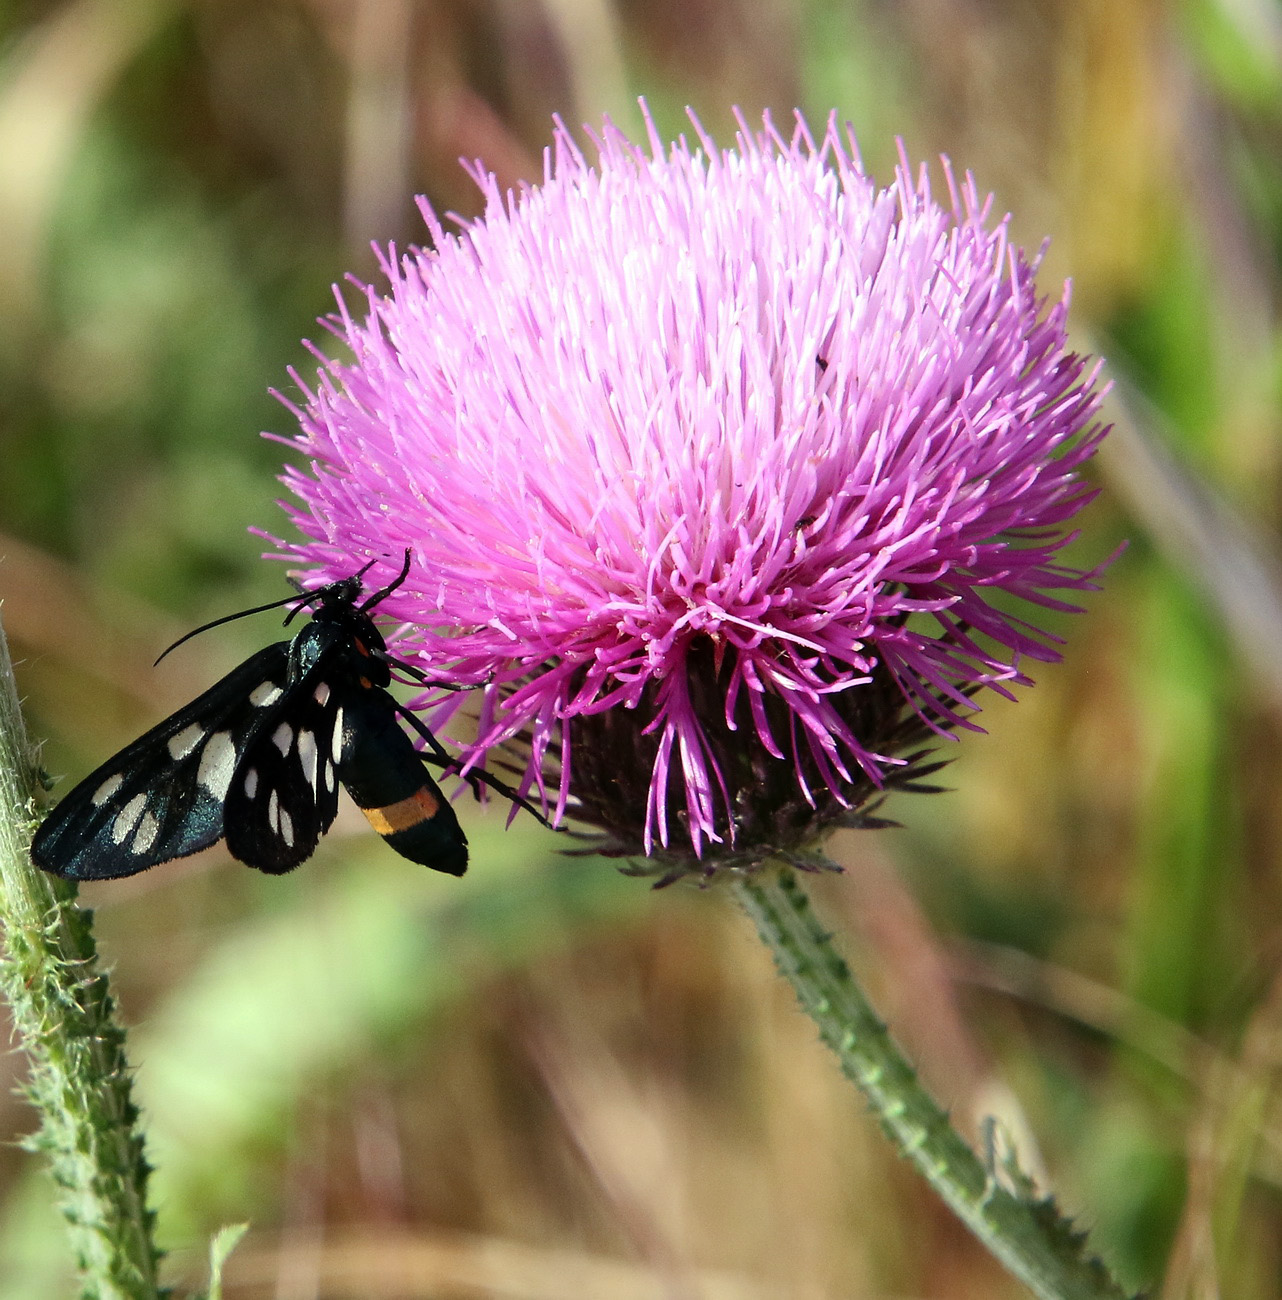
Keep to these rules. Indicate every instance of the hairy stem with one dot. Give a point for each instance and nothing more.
(64, 1018)
(1025, 1232)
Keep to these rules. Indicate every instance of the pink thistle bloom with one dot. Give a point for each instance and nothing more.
(711, 464)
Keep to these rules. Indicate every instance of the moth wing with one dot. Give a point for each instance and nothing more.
(161, 797)
(284, 795)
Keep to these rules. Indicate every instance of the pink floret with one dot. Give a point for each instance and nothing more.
(682, 396)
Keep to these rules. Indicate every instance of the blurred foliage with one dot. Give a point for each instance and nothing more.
(546, 1080)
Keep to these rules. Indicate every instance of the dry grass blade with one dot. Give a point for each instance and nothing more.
(452, 1266)
(1238, 571)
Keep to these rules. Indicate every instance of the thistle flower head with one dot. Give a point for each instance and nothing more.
(718, 469)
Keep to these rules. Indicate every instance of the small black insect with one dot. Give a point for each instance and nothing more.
(257, 760)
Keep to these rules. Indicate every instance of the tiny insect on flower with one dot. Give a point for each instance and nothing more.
(258, 759)
(721, 466)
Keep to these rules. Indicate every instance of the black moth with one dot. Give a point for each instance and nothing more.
(257, 760)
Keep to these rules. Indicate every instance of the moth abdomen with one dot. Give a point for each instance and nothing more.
(386, 778)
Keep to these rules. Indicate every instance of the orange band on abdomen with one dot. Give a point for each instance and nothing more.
(421, 806)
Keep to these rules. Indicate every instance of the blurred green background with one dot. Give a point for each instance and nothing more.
(546, 1080)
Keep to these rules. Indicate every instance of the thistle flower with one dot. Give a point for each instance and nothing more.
(719, 469)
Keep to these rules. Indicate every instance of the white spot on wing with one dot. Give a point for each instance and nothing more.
(145, 835)
(307, 756)
(107, 789)
(336, 746)
(217, 765)
(286, 828)
(327, 777)
(267, 693)
(127, 818)
(185, 741)
(283, 738)
(321, 694)
(273, 810)
(251, 782)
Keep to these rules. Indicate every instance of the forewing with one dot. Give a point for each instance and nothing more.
(162, 797)
(284, 795)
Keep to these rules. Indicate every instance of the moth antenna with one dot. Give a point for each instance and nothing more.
(326, 590)
(305, 598)
(391, 586)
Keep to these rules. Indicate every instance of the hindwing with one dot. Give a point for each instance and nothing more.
(284, 795)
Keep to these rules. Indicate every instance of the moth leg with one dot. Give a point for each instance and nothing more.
(478, 776)
(416, 673)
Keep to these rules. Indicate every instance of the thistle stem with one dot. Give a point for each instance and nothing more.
(1026, 1233)
(64, 1017)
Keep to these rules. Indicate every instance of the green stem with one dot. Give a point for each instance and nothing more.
(64, 1017)
(1027, 1234)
